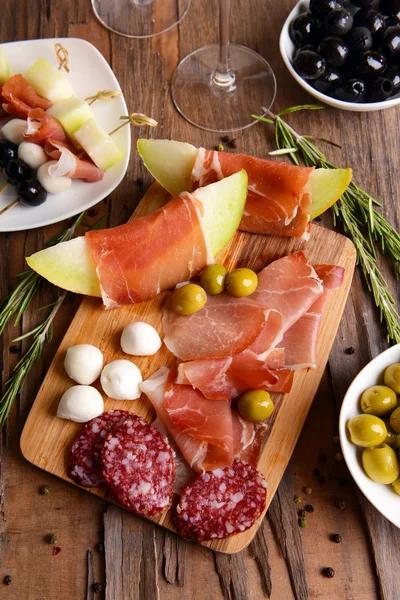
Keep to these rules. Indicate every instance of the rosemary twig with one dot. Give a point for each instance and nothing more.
(355, 211)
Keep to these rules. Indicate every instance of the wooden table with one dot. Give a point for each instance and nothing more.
(142, 561)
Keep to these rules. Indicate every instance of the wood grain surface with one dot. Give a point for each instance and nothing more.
(46, 439)
(142, 561)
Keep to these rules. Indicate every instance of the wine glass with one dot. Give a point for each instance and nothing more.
(140, 18)
(219, 87)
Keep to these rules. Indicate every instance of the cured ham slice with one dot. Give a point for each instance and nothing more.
(41, 126)
(69, 165)
(132, 262)
(300, 340)
(224, 326)
(20, 97)
(277, 200)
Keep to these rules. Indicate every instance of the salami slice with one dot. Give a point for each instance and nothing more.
(221, 503)
(84, 461)
(139, 467)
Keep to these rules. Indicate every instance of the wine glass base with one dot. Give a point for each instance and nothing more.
(140, 18)
(217, 109)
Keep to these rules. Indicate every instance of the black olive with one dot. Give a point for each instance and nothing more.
(334, 50)
(353, 91)
(328, 81)
(359, 39)
(393, 74)
(372, 20)
(302, 48)
(391, 41)
(309, 65)
(371, 64)
(17, 170)
(362, 3)
(8, 151)
(338, 22)
(320, 8)
(31, 193)
(392, 21)
(379, 90)
(303, 29)
(389, 7)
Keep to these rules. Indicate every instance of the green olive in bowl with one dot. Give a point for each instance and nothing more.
(367, 430)
(395, 420)
(378, 400)
(381, 463)
(396, 486)
(391, 377)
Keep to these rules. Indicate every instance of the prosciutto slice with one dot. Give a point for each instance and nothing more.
(20, 97)
(132, 262)
(69, 165)
(277, 201)
(300, 340)
(41, 126)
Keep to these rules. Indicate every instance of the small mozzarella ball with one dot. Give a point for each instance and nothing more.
(140, 339)
(32, 154)
(80, 403)
(52, 185)
(14, 130)
(120, 380)
(83, 363)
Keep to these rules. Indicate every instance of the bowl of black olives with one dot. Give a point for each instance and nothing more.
(345, 53)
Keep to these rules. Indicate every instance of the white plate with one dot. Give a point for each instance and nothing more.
(287, 48)
(381, 496)
(89, 73)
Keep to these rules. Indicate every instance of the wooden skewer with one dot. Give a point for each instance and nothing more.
(4, 187)
(13, 203)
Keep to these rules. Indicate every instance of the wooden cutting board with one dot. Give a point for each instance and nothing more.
(46, 439)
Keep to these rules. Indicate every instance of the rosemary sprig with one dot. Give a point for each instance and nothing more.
(355, 211)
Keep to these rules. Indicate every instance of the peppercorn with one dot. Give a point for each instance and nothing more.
(92, 212)
(337, 538)
(100, 547)
(220, 147)
(302, 513)
(297, 499)
(316, 472)
(343, 481)
(139, 181)
(322, 480)
(52, 538)
(322, 457)
(350, 350)
(97, 586)
(44, 490)
(7, 580)
(226, 139)
(309, 508)
(307, 490)
(339, 457)
(14, 349)
(329, 572)
(302, 522)
(341, 504)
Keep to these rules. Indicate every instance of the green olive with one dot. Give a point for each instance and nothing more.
(395, 420)
(212, 279)
(367, 430)
(381, 464)
(391, 377)
(241, 282)
(188, 299)
(396, 486)
(255, 405)
(392, 438)
(378, 400)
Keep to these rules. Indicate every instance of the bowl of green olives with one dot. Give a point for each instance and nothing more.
(345, 53)
(369, 429)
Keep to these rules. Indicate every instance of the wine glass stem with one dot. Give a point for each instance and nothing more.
(223, 76)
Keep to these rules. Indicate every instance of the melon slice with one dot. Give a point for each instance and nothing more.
(100, 146)
(69, 264)
(4, 66)
(171, 164)
(48, 81)
(71, 113)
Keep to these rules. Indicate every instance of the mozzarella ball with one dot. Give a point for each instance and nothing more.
(32, 154)
(80, 403)
(120, 380)
(52, 185)
(14, 130)
(83, 363)
(140, 339)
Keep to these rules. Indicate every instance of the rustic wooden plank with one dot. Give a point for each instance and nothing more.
(232, 575)
(259, 551)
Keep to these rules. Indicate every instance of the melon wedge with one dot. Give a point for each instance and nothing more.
(69, 264)
(4, 66)
(171, 164)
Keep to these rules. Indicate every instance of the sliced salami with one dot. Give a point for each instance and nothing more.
(84, 460)
(221, 503)
(139, 467)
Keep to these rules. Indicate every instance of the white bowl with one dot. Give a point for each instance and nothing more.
(287, 48)
(381, 496)
(89, 73)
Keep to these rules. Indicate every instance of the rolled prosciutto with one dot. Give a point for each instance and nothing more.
(19, 97)
(41, 126)
(69, 164)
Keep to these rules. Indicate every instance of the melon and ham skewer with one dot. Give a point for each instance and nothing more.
(19, 97)
(41, 126)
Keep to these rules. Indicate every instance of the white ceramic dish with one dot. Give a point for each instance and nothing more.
(287, 48)
(89, 73)
(381, 496)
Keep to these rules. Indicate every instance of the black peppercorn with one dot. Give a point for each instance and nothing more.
(226, 139)
(329, 572)
(309, 508)
(350, 350)
(97, 586)
(100, 547)
(322, 457)
(232, 143)
(7, 580)
(337, 538)
(322, 480)
(343, 481)
(341, 504)
(302, 513)
(139, 181)
(14, 349)
(92, 212)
